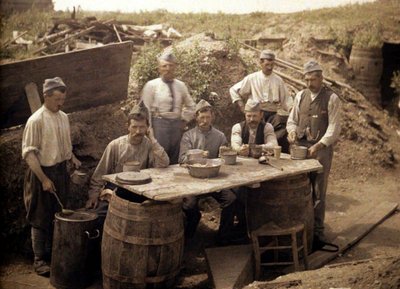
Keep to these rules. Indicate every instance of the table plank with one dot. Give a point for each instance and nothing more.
(175, 182)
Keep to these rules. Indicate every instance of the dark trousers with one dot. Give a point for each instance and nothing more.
(279, 124)
(226, 200)
(168, 133)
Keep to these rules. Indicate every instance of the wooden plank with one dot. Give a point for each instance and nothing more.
(94, 77)
(33, 96)
(230, 267)
(175, 182)
(354, 231)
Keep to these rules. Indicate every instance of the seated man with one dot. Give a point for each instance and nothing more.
(138, 145)
(252, 131)
(204, 136)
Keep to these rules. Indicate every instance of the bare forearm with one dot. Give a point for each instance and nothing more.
(34, 165)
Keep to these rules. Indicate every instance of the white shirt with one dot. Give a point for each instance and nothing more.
(269, 90)
(47, 133)
(334, 107)
(157, 97)
(269, 137)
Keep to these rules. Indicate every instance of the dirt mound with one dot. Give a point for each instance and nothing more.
(369, 274)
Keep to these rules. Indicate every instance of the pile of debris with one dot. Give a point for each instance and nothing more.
(71, 34)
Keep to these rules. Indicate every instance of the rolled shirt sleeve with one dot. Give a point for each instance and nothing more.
(236, 137)
(188, 109)
(31, 138)
(270, 140)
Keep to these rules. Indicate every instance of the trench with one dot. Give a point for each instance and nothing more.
(391, 63)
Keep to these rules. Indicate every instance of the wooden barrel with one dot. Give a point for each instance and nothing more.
(142, 244)
(283, 203)
(367, 64)
(75, 240)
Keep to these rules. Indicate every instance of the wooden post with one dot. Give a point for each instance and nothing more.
(33, 97)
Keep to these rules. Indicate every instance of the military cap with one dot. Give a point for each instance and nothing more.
(167, 56)
(52, 83)
(267, 54)
(311, 66)
(252, 106)
(140, 109)
(202, 104)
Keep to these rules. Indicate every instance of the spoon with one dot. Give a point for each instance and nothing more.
(64, 211)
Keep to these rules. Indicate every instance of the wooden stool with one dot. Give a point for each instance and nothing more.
(266, 231)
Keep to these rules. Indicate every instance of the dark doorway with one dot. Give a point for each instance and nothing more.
(391, 63)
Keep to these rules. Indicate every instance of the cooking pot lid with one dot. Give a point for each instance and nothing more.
(133, 178)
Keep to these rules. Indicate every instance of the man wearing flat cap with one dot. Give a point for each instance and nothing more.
(252, 131)
(206, 137)
(314, 122)
(46, 147)
(170, 106)
(270, 91)
(138, 145)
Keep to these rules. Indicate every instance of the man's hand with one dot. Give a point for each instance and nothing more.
(150, 134)
(92, 203)
(312, 151)
(244, 150)
(292, 137)
(48, 185)
(75, 162)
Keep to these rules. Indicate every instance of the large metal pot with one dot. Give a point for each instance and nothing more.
(206, 168)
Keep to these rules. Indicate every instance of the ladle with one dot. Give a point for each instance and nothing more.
(64, 211)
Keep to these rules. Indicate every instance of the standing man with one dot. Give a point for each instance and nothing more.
(252, 131)
(170, 105)
(270, 91)
(315, 122)
(138, 145)
(46, 147)
(205, 137)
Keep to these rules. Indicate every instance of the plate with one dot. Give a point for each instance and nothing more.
(133, 178)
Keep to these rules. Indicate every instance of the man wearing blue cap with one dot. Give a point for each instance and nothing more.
(270, 91)
(314, 122)
(46, 147)
(170, 106)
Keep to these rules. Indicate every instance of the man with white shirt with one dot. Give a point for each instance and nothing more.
(267, 88)
(314, 122)
(46, 147)
(252, 131)
(170, 106)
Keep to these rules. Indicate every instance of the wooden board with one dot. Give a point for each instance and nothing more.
(94, 77)
(355, 229)
(356, 226)
(33, 97)
(175, 182)
(230, 267)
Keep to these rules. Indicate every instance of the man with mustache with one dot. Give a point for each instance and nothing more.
(270, 91)
(252, 131)
(138, 145)
(46, 147)
(206, 137)
(314, 122)
(170, 106)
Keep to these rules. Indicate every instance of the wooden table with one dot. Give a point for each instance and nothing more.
(175, 182)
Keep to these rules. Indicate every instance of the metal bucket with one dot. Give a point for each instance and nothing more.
(75, 249)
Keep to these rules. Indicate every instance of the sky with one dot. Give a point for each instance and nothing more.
(212, 6)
